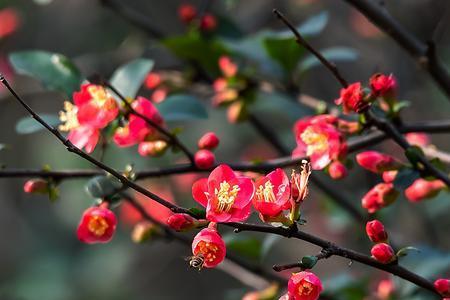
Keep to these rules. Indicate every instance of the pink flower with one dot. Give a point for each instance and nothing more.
(272, 193)
(443, 286)
(389, 176)
(227, 197)
(208, 249)
(181, 222)
(208, 141)
(418, 139)
(377, 162)
(375, 231)
(97, 225)
(337, 170)
(422, 189)
(383, 253)
(383, 86)
(318, 138)
(227, 66)
(96, 107)
(84, 137)
(304, 286)
(352, 99)
(379, 196)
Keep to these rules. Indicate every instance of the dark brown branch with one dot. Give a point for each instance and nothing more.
(425, 54)
(302, 42)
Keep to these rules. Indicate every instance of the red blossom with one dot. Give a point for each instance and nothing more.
(272, 193)
(379, 196)
(181, 222)
(377, 162)
(36, 186)
(208, 22)
(159, 95)
(442, 286)
(383, 85)
(337, 170)
(208, 249)
(318, 138)
(227, 66)
(204, 159)
(383, 253)
(352, 99)
(152, 80)
(9, 22)
(304, 286)
(226, 196)
(389, 176)
(422, 189)
(97, 225)
(187, 13)
(418, 139)
(208, 141)
(375, 231)
(84, 137)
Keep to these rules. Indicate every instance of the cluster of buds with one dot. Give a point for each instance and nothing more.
(320, 138)
(356, 98)
(136, 130)
(381, 251)
(204, 157)
(93, 109)
(189, 16)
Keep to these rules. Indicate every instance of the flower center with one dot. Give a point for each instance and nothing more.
(305, 288)
(69, 117)
(209, 251)
(225, 196)
(266, 193)
(316, 142)
(100, 97)
(98, 225)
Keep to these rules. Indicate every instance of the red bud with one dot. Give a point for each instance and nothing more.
(204, 159)
(208, 141)
(383, 253)
(375, 231)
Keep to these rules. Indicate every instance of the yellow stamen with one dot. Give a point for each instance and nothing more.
(98, 225)
(69, 117)
(305, 288)
(225, 196)
(314, 141)
(101, 97)
(266, 193)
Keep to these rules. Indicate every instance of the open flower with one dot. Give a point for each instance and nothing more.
(383, 85)
(304, 286)
(318, 138)
(97, 225)
(226, 196)
(352, 99)
(272, 193)
(208, 249)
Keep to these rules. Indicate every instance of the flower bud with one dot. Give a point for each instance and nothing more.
(377, 162)
(383, 253)
(337, 170)
(187, 13)
(389, 176)
(181, 222)
(143, 231)
(208, 22)
(419, 139)
(227, 66)
(268, 293)
(304, 286)
(236, 112)
(36, 186)
(152, 80)
(379, 196)
(352, 99)
(208, 141)
(383, 86)
(97, 225)
(204, 159)
(443, 286)
(152, 148)
(422, 189)
(159, 95)
(385, 289)
(208, 249)
(375, 231)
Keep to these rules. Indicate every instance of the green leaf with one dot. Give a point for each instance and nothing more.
(404, 251)
(405, 177)
(28, 125)
(53, 193)
(128, 78)
(309, 261)
(102, 186)
(182, 107)
(334, 54)
(277, 103)
(243, 244)
(55, 71)
(400, 105)
(198, 212)
(311, 27)
(284, 51)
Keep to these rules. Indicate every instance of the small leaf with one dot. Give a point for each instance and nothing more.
(243, 244)
(128, 78)
(334, 54)
(311, 27)
(405, 177)
(398, 106)
(182, 107)
(102, 186)
(198, 212)
(53, 193)
(278, 103)
(404, 251)
(308, 262)
(55, 71)
(28, 125)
